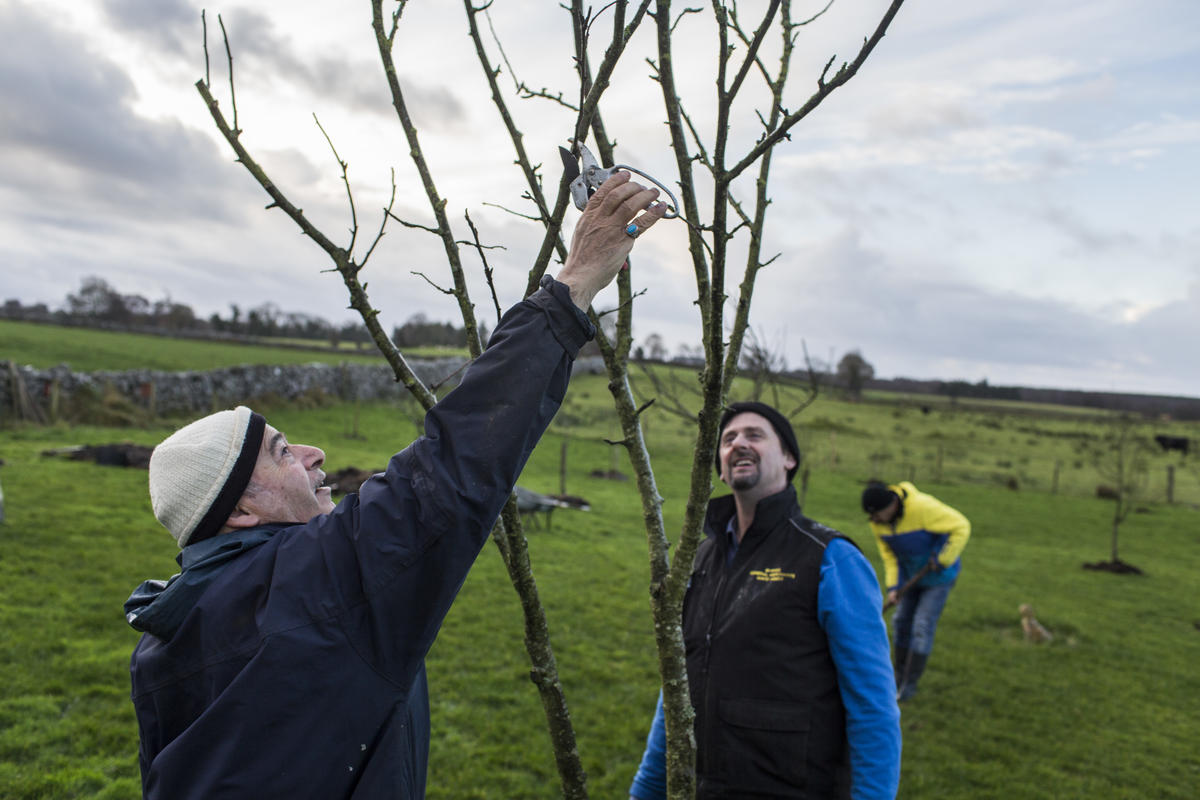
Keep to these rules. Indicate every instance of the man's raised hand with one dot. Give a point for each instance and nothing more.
(605, 235)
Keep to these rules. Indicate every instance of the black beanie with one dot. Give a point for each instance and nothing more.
(876, 497)
(783, 429)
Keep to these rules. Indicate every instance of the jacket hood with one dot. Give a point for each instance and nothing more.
(159, 607)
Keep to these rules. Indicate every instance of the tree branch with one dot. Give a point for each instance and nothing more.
(487, 270)
(340, 256)
(346, 181)
(824, 89)
(437, 204)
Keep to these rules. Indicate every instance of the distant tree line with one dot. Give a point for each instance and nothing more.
(978, 390)
(1146, 405)
(98, 304)
(420, 331)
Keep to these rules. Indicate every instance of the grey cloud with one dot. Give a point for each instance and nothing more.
(171, 26)
(1087, 238)
(921, 118)
(68, 132)
(1173, 327)
(358, 85)
(910, 322)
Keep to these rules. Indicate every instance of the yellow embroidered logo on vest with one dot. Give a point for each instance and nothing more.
(772, 574)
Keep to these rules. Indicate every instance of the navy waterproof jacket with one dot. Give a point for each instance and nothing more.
(288, 661)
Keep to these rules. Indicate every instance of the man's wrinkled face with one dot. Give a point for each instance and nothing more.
(753, 457)
(286, 484)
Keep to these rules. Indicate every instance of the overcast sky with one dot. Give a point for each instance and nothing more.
(1005, 191)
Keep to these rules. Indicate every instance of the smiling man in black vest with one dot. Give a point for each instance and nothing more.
(787, 653)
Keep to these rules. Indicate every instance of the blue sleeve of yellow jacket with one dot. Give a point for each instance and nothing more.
(650, 783)
(848, 607)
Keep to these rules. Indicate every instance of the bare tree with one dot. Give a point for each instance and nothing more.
(733, 183)
(1122, 459)
(656, 349)
(854, 371)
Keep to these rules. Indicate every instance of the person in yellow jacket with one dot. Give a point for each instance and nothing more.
(922, 538)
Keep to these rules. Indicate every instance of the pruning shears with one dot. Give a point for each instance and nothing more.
(585, 182)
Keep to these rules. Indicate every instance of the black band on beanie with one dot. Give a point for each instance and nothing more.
(235, 484)
(783, 429)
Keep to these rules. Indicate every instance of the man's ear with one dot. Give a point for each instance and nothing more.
(242, 517)
(789, 460)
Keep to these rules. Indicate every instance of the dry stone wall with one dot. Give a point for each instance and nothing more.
(29, 393)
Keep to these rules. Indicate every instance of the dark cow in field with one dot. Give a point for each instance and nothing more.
(1169, 443)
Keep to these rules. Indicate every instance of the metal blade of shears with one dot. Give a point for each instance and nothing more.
(570, 164)
(585, 182)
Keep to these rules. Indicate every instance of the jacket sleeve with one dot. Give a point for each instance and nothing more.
(941, 518)
(650, 783)
(391, 560)
(848, 607)
(891, 568)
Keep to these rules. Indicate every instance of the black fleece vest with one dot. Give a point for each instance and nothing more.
(769, 718)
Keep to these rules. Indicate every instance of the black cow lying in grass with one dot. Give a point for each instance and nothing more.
(1169, 443)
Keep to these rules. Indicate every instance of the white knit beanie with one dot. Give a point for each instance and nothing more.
(198, 473)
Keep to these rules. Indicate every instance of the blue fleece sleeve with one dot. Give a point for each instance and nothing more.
(650, 783)
(848, 607)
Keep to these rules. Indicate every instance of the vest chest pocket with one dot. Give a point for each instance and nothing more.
(764, 745)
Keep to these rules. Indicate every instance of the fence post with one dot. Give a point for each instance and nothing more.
(1170, 483)
(939, 463)
(55, 400)
(1054, 483)
(562, 468)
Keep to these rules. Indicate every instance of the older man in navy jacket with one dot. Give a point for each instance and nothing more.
(287, 658)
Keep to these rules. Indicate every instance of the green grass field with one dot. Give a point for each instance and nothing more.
(1109, 709)
(88, 350)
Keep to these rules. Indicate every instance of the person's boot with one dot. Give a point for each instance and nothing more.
(899, 665)
(916, 665)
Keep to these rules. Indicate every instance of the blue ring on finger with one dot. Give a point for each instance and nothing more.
(631, 229)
